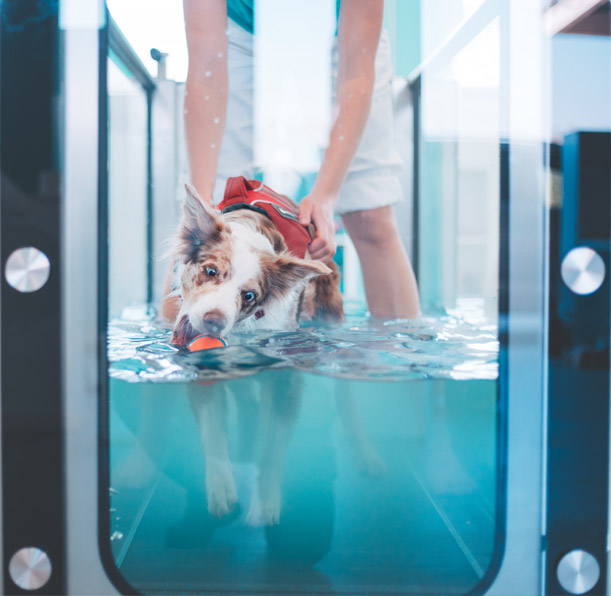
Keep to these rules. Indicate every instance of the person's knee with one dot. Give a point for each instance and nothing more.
(374, 228)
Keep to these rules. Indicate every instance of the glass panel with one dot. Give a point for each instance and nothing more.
(460, 178)
(439, 18)
(127, 189)
(359, 457)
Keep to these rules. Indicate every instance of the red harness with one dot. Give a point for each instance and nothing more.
(284, 213)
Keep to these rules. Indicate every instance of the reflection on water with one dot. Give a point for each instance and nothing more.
(292, 481)
(444, 347)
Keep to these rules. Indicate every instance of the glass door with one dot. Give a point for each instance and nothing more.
(364, 457)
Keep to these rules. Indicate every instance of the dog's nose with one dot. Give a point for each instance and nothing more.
(214, 323)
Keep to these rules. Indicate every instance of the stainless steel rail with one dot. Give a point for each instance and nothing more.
(121, 48)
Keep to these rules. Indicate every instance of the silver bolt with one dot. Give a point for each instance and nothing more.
(30, 568)
(583, 270)
(27, 269)
(578, 571)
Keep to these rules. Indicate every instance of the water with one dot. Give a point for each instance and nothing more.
(375, 445)
(444, 347)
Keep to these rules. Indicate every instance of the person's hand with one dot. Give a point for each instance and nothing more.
(319, 211)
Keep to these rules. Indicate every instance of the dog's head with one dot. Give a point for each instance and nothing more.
(231, 275)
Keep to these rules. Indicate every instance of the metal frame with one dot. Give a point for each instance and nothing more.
(33, 514)
(522, 70)
(119, 48)
(84, 96)
(85, 222)
(562, 15)
(415, 88)
(577, 453)
(522, 382)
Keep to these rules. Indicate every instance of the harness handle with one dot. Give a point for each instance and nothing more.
(236, 188)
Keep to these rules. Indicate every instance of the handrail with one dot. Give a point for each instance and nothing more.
(119, 45)
(464, 32)
(121, 48)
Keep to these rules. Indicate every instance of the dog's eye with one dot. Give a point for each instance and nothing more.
(249, 296)
(210, 271)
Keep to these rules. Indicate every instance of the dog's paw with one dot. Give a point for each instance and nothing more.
(270, 514)
(254, 517)
(265, 508)
(259, 514)
(220, 490)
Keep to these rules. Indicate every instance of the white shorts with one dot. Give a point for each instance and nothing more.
(372, 180)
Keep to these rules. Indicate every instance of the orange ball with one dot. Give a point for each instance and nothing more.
(205, 342)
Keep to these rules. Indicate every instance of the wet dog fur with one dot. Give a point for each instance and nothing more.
(236, 274)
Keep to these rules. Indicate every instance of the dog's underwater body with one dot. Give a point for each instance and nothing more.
(236, 274)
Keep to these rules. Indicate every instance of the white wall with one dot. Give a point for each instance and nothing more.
(581, 85)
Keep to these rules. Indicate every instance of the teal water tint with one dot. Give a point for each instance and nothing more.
(388, 487)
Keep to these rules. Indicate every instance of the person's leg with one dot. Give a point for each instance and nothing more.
(370, 188)
(390, 284)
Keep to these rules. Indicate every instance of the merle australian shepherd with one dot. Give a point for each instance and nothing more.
(235, 273)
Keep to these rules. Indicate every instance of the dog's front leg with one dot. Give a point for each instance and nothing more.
(280, 403)
(209, 404)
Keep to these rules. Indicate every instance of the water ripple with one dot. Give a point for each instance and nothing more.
(444, 347)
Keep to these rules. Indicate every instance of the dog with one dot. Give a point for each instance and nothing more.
(236, 273)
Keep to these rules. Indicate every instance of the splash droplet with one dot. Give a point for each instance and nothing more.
(206, 97)
(216, 120)
(186, 111)
(208, 73)
(212, 146)
(116, 536)
(341, 137)
(220, 54)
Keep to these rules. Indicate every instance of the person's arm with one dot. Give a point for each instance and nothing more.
(358, 35)
(205, 89)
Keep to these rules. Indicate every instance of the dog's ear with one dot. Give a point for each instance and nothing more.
(201, 224)
(287, 271)
(197, 210)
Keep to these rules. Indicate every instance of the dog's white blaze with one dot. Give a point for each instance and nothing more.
(247, 246)
(226, 297)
